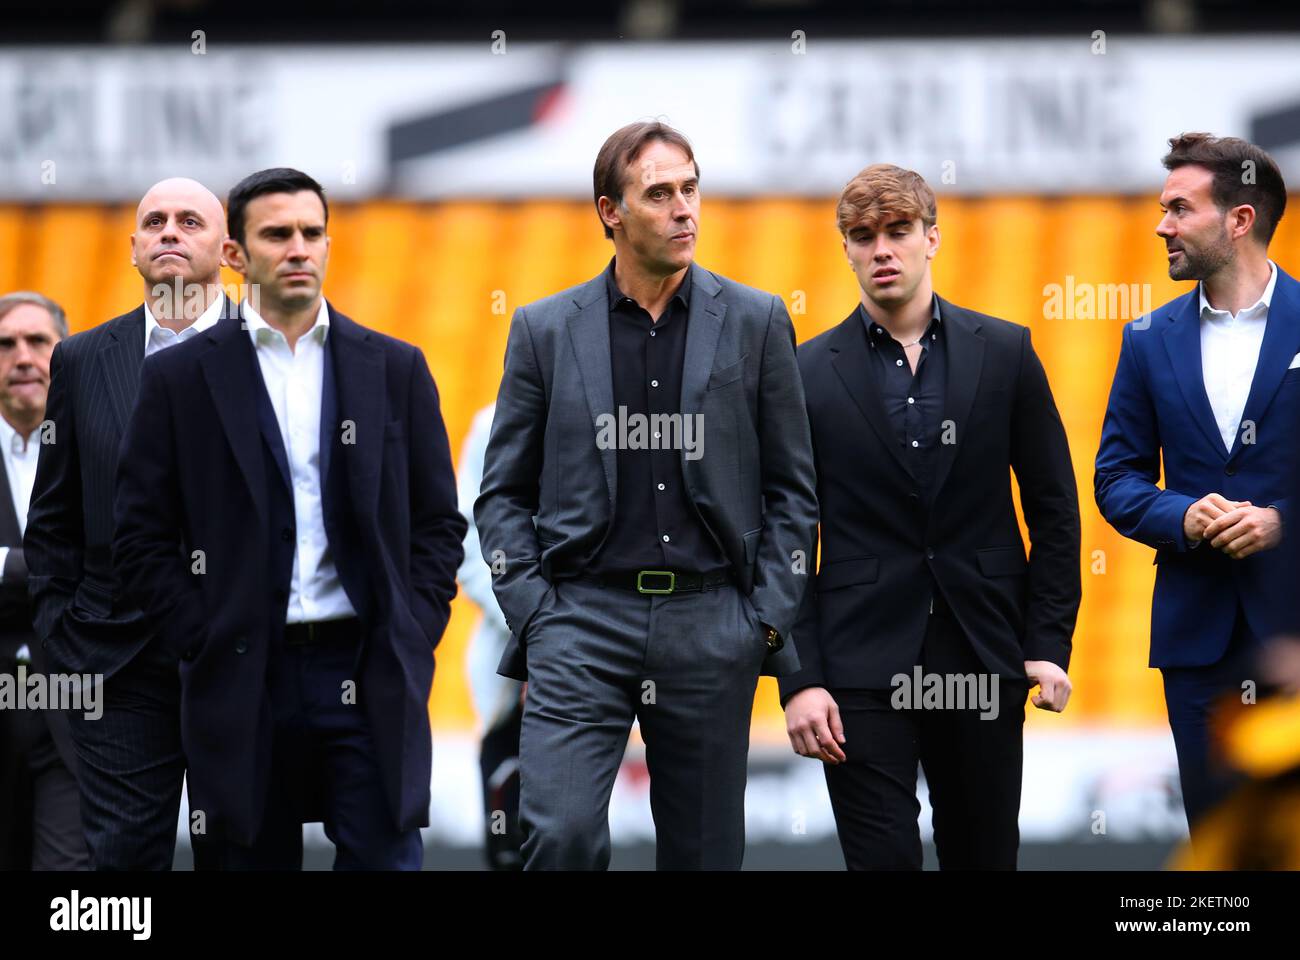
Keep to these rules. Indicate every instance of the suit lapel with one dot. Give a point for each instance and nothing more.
(119, 360)
(329, 413)
(849, 346)
(360, 389)
(233, 383)
(964, 353)
(1281, 343)
(10, 533)
(704, 320)
(1182, 339)
(589, 334)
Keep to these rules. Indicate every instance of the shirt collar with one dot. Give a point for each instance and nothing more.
(875, 332)
(9, 437)
(616, 296)
(254, 323)
(206, 319)
(1265, 298)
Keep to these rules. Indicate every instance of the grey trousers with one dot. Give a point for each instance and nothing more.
(686, 666)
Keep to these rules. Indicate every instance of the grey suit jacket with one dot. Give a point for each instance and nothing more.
(549, 489)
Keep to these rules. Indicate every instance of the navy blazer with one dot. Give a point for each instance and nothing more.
(193, 475)
(1159, 408)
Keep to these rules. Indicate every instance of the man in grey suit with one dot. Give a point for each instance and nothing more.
(647, 509)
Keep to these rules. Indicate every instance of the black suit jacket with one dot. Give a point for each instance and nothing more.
(864, 618)
(16, 619)
(193, 476)
(79, 609)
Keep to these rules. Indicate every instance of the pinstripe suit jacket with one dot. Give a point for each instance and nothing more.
(80, 611)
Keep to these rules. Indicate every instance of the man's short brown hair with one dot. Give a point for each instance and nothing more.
(621, 150)
(1243, 174)
(884, 189)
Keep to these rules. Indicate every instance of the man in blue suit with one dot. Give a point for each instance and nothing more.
(286, 517)
(1211, 383)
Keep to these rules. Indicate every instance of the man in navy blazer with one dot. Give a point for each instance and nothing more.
(1210, 382)
(286, 517)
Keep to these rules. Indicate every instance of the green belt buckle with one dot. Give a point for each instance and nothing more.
(672, 581)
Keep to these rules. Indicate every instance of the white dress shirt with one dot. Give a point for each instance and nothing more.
(294, 379)
(1230, 348)
(20, 469)
(158, 337)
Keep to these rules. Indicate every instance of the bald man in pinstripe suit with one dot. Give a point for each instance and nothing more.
(131, 766)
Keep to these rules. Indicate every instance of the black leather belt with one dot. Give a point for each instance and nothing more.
(322, 631)
(658, 581)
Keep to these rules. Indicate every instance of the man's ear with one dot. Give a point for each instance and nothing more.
(232, 255)
(1241, 220)
(132, 242)
(932, 239)
(608, 210)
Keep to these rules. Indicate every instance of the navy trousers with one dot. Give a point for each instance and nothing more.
(323, 768)
(1191, 694)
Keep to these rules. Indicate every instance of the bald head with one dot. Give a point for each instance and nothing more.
(179, 227)
(186, 193)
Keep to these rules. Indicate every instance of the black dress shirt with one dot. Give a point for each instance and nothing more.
(655, 525)
(913, 401)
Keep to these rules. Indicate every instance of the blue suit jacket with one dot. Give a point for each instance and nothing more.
(1158, 407)
(195, 473)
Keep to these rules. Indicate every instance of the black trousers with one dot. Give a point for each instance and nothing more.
(40, 807)
(972, 766)
(131, 766)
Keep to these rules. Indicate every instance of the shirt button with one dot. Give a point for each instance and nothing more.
(665, 538)
(898, 363)
(911, 400)
(661, 486)
(915, 444)
(654, 383)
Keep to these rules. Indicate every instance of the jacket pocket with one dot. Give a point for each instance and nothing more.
(846, 573)
(1001, 561)
(725, 375)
